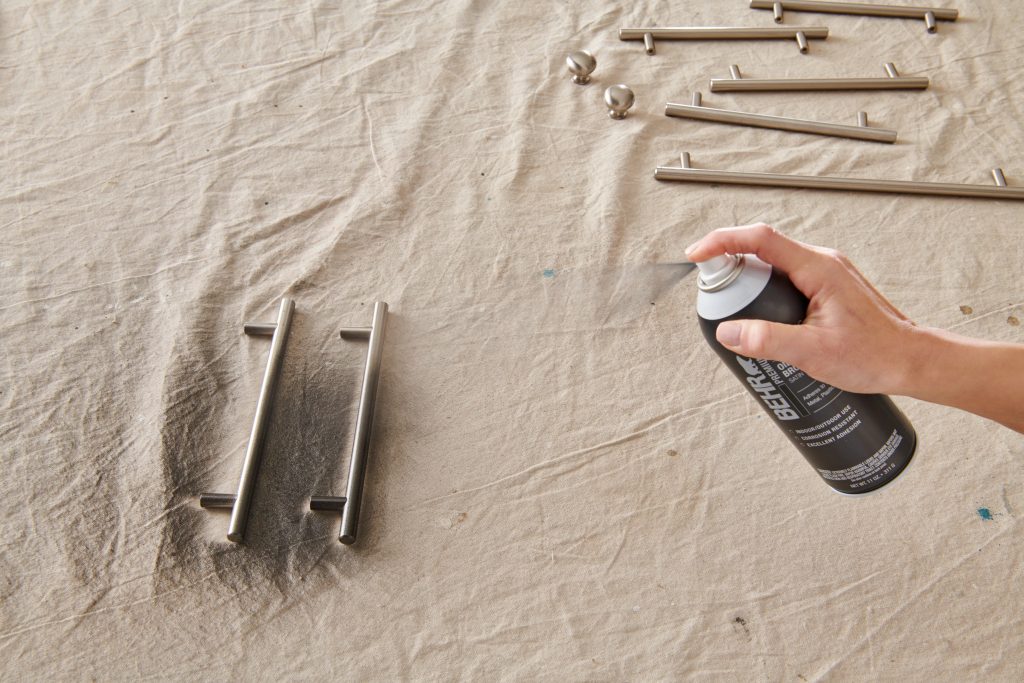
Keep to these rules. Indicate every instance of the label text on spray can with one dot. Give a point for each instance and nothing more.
(765, 388)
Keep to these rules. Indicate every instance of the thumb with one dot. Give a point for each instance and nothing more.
(791, 344)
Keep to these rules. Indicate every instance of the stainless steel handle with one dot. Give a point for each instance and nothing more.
(699, 112)
(685, 173)
(240, 502)
(870, 9)
(892, 81)
(350, 504)
(648, 34)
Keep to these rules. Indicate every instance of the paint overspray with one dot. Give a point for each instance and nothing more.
(642, 285)
(610, 296)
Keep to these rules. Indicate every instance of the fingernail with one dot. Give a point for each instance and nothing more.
(691, 247)
(728, 333)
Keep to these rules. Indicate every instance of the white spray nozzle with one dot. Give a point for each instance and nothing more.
(718, 270)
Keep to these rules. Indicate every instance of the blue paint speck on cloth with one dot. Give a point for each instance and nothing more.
(984, 513)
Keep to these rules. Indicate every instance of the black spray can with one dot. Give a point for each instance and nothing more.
(856, 442)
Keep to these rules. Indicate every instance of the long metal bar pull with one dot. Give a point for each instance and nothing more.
(649, 34)
(239, 503)
(891, 81)
(869, 9)
(688, 174)
(349, 505)
(699, 112)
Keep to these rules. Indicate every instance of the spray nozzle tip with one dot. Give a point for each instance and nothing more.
(717, 270)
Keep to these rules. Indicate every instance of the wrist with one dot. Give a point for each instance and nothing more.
(923, 351)
(978, 376)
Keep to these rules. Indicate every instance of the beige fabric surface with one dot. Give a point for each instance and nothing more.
(564, 481)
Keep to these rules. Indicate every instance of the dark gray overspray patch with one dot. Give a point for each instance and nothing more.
(194, 385)
(304, 448)
(309, 435)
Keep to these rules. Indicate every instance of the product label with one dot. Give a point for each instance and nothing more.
(828, 432)
(871, 470)
(785, 390)
(790, 394)
(855, 442)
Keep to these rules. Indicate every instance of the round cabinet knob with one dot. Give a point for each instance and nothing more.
(619, 99)
(581, 64)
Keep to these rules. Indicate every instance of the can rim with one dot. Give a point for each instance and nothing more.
(741, 260)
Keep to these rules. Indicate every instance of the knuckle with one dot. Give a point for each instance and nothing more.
(756, 339)
(836, 256)
(765, 232)
(718, 232)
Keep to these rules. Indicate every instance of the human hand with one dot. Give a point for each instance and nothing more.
(852, 337)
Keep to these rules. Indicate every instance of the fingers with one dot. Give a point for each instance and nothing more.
(802, 262)
(760, 239)
(793, 344)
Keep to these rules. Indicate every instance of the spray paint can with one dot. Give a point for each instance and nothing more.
(856, 442)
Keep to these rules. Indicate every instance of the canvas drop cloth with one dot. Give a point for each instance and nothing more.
(565, 483)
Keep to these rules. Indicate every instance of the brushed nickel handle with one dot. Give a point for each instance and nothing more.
(892, 81)
(240, 502)
(648, 34)
(686, 173)
(697, 111)
(350, 504)
(868, 9)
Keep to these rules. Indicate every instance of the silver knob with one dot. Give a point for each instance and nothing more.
(581, 64)
(619, 99)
